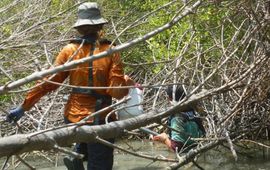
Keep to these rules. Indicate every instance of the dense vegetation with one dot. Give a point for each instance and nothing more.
(220, 52)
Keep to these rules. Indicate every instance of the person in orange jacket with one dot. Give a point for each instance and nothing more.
(82, 102)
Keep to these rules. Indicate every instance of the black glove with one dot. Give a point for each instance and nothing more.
(15, 114)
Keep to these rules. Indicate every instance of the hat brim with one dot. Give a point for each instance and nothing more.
(81, 22)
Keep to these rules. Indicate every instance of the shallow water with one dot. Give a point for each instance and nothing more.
(218, 158)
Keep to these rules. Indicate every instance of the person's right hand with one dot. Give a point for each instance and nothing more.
(161, 137)
(15, 114)
(129, 81)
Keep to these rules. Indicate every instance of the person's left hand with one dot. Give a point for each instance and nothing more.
(139, 86)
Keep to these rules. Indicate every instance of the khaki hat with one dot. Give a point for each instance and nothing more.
(89, 14)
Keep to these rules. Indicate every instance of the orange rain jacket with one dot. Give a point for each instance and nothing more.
(107, 72)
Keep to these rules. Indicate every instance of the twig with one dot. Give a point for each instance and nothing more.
(5, 163)
(197, 165)
(257, 143)
(66, 151)
(25, 163)
(189, 156)
(231, 145)
(102, 141)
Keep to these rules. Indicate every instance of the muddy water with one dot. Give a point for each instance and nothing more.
(220, 158)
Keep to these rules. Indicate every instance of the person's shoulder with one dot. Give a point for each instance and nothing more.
(70, 45)
(69, 48)
(105, 41)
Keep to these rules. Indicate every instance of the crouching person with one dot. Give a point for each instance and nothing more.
(184, 125)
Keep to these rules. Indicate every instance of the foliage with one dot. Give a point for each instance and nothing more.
(220, 54)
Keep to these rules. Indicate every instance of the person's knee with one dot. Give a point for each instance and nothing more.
(72, 163)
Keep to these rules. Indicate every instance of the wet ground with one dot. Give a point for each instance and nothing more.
(219, 158)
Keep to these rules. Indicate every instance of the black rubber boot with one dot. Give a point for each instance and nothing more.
(73, 163)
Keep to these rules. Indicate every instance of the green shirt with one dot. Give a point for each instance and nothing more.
(186, 128)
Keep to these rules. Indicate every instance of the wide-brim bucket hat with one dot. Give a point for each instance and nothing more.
(89, 14)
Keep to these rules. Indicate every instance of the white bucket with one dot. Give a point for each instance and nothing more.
(136, 99)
